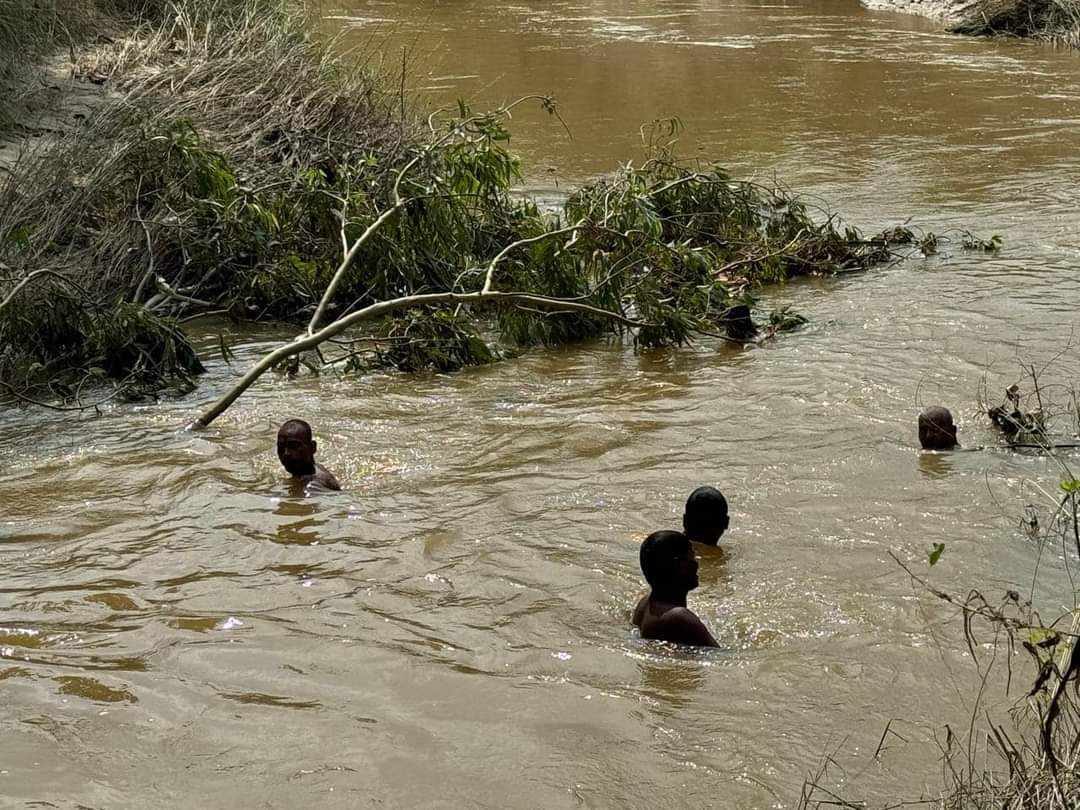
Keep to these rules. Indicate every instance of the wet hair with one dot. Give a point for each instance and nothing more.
(289, 425)
(706, 507)
(657, 552)
(936, 428)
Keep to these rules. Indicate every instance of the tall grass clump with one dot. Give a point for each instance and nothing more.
(211, 173)
(32, 32)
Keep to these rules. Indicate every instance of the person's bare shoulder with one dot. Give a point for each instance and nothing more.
(325, 478)
(639, 611)
(682, 626)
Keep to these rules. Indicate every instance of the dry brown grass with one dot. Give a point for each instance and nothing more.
(212, 103)
(1056, 21)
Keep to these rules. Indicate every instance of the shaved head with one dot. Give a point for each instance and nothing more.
(706, 515)
(937, 431)
(664, 557)
(296, 447)
(296, 427)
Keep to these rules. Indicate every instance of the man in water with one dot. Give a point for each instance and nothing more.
(937, 431)
(296, 449)
(706, 516)
(671, 569)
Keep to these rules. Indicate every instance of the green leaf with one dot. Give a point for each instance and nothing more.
(936, 552)
(1042, 636)
(1071, 486)
(20, 236)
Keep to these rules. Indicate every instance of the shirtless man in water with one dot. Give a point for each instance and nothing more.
(671, 569)
(296, 448)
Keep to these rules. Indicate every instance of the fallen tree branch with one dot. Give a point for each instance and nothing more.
(309, 341)
(339, 274)
(489, 278)
(168, 293)
(400, 202)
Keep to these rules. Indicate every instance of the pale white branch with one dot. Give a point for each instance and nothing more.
(307, 341)
(38, 274)
(490, 277)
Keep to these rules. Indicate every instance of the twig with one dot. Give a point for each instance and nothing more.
(169, 292)
(489, 278)
(36, 274)
(64, 408)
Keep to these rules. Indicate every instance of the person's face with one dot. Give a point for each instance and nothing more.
(295, 451)
(686, 569)
(713, 530)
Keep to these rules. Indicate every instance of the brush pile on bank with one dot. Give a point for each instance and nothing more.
(244, 159)
(1048, 20)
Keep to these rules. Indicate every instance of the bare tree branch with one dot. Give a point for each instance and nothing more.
(37, 274)
(309, 341)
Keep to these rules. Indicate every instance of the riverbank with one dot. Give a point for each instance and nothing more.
(170, 184)
(1056, 21)
(234, 165)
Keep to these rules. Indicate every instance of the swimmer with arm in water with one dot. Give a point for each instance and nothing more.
(671, 569)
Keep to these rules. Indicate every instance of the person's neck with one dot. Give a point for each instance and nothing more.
(705, 541)
(669, 596)
(308, 473)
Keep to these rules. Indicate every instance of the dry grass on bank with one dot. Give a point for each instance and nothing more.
(1055, 21)
(213, 101)
(34, 31)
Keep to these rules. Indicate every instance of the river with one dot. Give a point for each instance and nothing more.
(178, 629)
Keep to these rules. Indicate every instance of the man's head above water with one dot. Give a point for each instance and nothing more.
(296, 447)
(706, 515)
(671, 568)
(937, 431)
(669, 564)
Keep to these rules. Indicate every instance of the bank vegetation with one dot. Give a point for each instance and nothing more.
(241, 168)
(1056, 21)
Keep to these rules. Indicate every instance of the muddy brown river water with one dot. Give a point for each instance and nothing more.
(178, 629)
